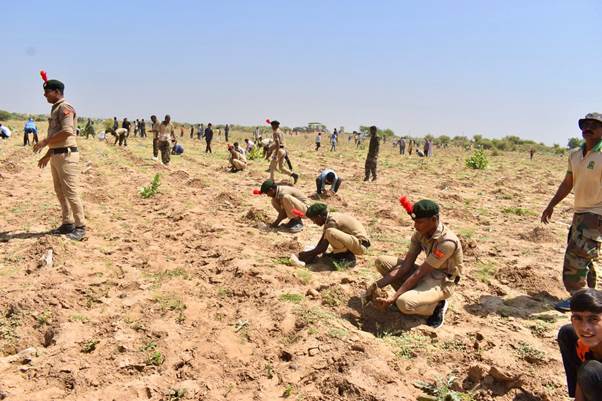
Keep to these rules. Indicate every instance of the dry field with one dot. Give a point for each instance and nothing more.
(188, 295)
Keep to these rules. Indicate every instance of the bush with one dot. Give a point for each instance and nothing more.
(478, 160)
(255, 153)
(152, 189)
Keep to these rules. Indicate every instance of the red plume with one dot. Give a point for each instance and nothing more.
(44, 76)
(406, 204)
(267, 120)
(298, 213)
(256, 191)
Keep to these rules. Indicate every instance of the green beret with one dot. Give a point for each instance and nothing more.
(53, 84)
(267, 184)
(424, 208)
(316, 209)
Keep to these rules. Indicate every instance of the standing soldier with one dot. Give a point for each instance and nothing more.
(166, 134)
(208, 138)
(585, 234)
(372, 157)
(226, 132)
(155, 130)
(402, 146)
(63, 156)
(280, 153)
(142, 129)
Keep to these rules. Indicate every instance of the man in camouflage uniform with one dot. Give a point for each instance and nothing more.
(372, 157)
(585, 234)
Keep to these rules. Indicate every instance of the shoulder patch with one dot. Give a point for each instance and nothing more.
(438, 253)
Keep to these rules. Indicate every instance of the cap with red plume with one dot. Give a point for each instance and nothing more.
(407, 205)
(44, 76)
(257, 191)
(267, 120)
(298, 213)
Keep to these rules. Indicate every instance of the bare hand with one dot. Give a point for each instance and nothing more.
(43, 161)
(547, 215)
(39, 146)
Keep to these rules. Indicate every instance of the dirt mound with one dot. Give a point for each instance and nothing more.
(257, 215)
(538, 235)
(469, 246)
(227, 200)
(387, 214)
(96, 197)
(10, 167)
(179, 175)
(195, 183)
(292, 245)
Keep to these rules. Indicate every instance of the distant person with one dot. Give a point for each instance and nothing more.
(372, 158)
(411, 145)
(333, 141)
(239, 149)
(192, 131)
(177, 149)
(127, 126)
(583, 175)
(430, 150)
(5, 132)
(256, 134)
(30, 128)
(250, 145)
(166, 134)
(280, 153)
(238, 161)
(226, 132)
(115, 124)
(142, 128)
(531, 153)
(286, 200)
(581, 346)
(318, 140)
(136, 124)
(201, 132)
(155, 130)
(402, 146)
(121, 135)
(89, 129)
(208, 138)
(327, 177)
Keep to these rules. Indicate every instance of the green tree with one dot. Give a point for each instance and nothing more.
(575, 142)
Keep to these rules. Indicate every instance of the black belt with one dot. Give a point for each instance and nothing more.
(58, 151)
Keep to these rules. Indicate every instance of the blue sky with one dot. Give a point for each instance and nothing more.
(527, 68)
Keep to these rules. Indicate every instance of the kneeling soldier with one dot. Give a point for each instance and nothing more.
(342, 232)
(423, 289)
(286, 200)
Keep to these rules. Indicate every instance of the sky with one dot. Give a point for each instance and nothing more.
(495, 68)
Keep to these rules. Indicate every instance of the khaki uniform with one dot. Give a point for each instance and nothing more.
(279, 152)
(344, 233)
(444, 253)
(238, 161)
(163, 139)
(65, 166)
(121, 136)
(287, 199)
(585, 235)
(155, 129)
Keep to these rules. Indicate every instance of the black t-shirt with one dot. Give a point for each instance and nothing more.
(208, 134)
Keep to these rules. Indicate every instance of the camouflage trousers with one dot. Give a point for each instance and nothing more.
(582, 252)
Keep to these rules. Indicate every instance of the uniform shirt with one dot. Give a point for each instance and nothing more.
(155, 129)
(282, 190)
(6, 131)
(347, 224)
(373, 147)
(30, 124)
(322, 178)
(587, 179)
(443, 252)
(121, 131)
(62, 119)
(278, 138)
(165, 132)
(318, 138)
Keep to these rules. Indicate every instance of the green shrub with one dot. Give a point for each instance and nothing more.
(478, 160)
(152, 189)
(255, 153)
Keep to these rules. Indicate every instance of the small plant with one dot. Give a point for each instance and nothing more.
(43, 318)
(529, 353)
(332, 296)
(406, 345)
(485, 271)
(540, 328)
(255, 154)
(288, 391)
(341, 266)
(519, 211)
(339, 333)
(170, 302)
(283, 261)
(304, 276)
(79, 318)
(290, 297)
(89, 346)
(442, 390)
(176, 394)
(152, 189)
(478, 160)
(155, 359)
(150, 346)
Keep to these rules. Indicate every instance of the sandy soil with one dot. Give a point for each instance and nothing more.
(188, 295)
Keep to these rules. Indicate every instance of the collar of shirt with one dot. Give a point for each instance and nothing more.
(57, 104)
(596, 148)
